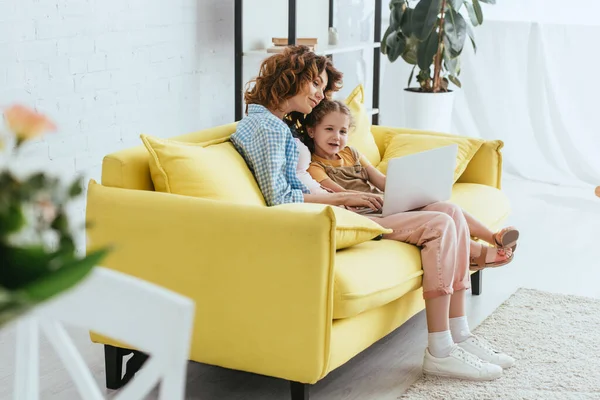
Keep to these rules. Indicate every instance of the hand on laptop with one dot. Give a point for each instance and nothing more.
(361, 200)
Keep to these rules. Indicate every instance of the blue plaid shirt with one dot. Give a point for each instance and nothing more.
(267, 145)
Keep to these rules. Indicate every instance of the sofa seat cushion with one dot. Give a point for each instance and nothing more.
(488, 204)
(374, 273)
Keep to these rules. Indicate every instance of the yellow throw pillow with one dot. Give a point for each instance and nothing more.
(360, 136)
(350, 228)
(212, 170)
(404, 144)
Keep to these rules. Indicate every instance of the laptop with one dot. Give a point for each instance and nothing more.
(416, 180)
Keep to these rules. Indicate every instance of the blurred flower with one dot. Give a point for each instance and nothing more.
(26, 123)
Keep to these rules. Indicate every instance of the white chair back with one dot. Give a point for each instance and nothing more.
(145, 316)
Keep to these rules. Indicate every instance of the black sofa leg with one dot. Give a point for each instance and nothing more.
(299, 390)
(477, 283)
(113, 363)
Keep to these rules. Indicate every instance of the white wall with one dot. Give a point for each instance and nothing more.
(108, 70)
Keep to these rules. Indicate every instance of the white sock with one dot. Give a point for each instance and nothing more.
(440, 344)
(459, 327)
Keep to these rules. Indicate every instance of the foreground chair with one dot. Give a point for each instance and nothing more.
(155, 321)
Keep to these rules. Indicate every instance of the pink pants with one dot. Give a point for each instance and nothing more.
(441, 230)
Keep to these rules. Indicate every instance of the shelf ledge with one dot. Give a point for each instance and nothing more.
(327, 49)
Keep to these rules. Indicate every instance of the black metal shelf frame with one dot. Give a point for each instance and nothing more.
(239, 51)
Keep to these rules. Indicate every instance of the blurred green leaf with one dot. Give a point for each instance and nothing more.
(396, 12)
(456, 4)
(384, 39)
(488, 1)
(425, 17)
(76, 188)
(12, 219)
(406, 26)
(410, 78)
(410, 52)
(20, 266)
(64, 278)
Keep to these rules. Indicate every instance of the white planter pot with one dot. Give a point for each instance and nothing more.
(428, 111)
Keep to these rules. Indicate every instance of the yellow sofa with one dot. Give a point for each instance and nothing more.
(273, 296)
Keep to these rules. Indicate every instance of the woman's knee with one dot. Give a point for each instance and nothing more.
(445, 207)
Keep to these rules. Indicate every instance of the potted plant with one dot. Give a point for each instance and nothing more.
(431, 35)
(38, 256)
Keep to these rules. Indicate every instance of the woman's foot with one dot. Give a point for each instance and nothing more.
(483, 256)
(506, 237)
(460, 364)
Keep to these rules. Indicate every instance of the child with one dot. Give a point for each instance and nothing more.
(442, 230)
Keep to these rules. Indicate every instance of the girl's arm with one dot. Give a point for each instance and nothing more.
(330, 184)
(376, 177)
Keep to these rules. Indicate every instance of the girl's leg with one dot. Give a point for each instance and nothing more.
(436, 234)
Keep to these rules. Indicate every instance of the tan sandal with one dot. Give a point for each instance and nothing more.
(478, 263)
(507, 237)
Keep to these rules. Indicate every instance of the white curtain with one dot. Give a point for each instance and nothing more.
(531, 84)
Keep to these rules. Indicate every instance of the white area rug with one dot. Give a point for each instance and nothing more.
(556, 341)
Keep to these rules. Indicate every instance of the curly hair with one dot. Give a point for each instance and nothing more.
(313, 119)
(284, 75)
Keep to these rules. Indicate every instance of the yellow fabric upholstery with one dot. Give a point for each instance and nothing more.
(274, 295)
(485, 167)
(366, 276)
(261, 277)
(402, 145)
(486, 203)
(350, 228)
(212, 170)
(360, 136)
(366, 279)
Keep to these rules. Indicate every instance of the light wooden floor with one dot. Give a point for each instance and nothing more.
(556, 253)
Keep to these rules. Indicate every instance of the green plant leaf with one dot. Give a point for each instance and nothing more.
(478, 11)
(455, 27)
(407, 25)
(451, 64)
(76, 188)
(396, 43)
(410, 78)
(456, 4)
(396, 12)
(471, 34)
(488, 1)
(63, 278)
(11, 219)
(383, 47)
(21, 265)
(427, 51)
(425, 17)
(472, 15)
(455, 80)
(410, 52)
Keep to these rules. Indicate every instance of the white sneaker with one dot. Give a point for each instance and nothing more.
(460, 364)
(484, 350)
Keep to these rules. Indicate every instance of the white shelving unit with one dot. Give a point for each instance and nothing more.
(325, 49)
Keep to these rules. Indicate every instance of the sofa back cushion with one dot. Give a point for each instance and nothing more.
(129, 168)
(212, 170)
(360, 136)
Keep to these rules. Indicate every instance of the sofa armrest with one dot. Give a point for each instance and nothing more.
(261, 277)
(484, 168)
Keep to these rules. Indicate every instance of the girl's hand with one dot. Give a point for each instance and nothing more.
(353, 199)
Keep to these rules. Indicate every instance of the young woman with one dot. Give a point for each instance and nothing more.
(291, 85)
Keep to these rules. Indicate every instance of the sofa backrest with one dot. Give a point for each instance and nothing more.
(129, 169)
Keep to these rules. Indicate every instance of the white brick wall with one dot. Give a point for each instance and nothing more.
(108, 70)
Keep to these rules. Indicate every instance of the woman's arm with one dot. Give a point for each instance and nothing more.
(376, 177)
(348, 199)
